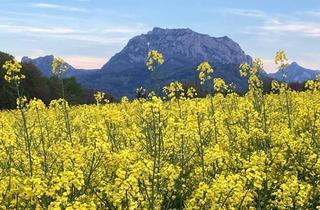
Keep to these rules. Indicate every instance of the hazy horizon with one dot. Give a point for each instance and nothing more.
(86, 33)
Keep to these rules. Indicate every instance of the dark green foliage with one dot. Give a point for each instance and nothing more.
(34, 86)
(72, 89)
(7, 93)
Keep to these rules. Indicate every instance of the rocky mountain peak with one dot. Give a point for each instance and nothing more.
(295, 73)
(294, 64)
(43, 59)
(156, 31)
(180, 47)
(44, 64)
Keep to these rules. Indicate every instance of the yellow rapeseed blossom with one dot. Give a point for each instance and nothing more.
(219, 85)
(224, 151)
(244, 69)
(154, 59)
(191, 92)
(13, 71)
(153, 153)
(100, 98)
(59, 66)
(281, 59)
(205, 70)
(313, 85)
(174, 90)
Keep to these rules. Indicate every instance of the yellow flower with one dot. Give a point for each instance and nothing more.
(100, 98)
(281, 59)
(13, 71)
(58, 66)
(244, 69)
(257, 65)
(218, 152)
(313, 85)
(174, 90)
(154, 59)
(219, 85)
(191, 92)
(204, 70)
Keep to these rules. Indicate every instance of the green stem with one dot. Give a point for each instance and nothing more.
(66, 113)
(25, 128)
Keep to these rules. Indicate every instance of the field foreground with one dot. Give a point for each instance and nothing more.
(226, 152)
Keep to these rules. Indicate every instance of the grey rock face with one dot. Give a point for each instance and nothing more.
(183, 51)
(179, 46)
(44, 64)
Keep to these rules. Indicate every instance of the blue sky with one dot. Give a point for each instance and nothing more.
(86, 33)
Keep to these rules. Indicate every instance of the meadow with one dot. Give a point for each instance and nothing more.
(225, 151)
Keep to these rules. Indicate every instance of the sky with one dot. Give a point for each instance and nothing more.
(86, 33)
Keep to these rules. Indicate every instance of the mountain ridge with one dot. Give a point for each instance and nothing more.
(184, 43)
(44, 64)
(183, 50)
(295, 73)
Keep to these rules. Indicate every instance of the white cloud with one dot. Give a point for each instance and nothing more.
(313, 13)
(244, 12)
(111, 35)
(305, 28)
(58, 6)
(277, 23)
(64, 33)
(14, 16)
(95, 38)
(45, 5)
(48, 30)
(125, 30)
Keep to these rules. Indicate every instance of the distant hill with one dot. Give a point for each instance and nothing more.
(36, 85)
(295, 74)
(44, 64)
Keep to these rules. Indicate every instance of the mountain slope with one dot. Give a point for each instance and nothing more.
(295, 73)
(183, 50)
(44, 64)
(178, 46)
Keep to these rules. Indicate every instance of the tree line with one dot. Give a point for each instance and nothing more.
(38, 86)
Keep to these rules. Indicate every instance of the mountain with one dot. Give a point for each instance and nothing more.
(44, 64)
(183, 51)
(178, 46)
(295, 73)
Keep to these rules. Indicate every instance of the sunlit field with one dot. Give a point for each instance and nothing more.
(225, 151)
